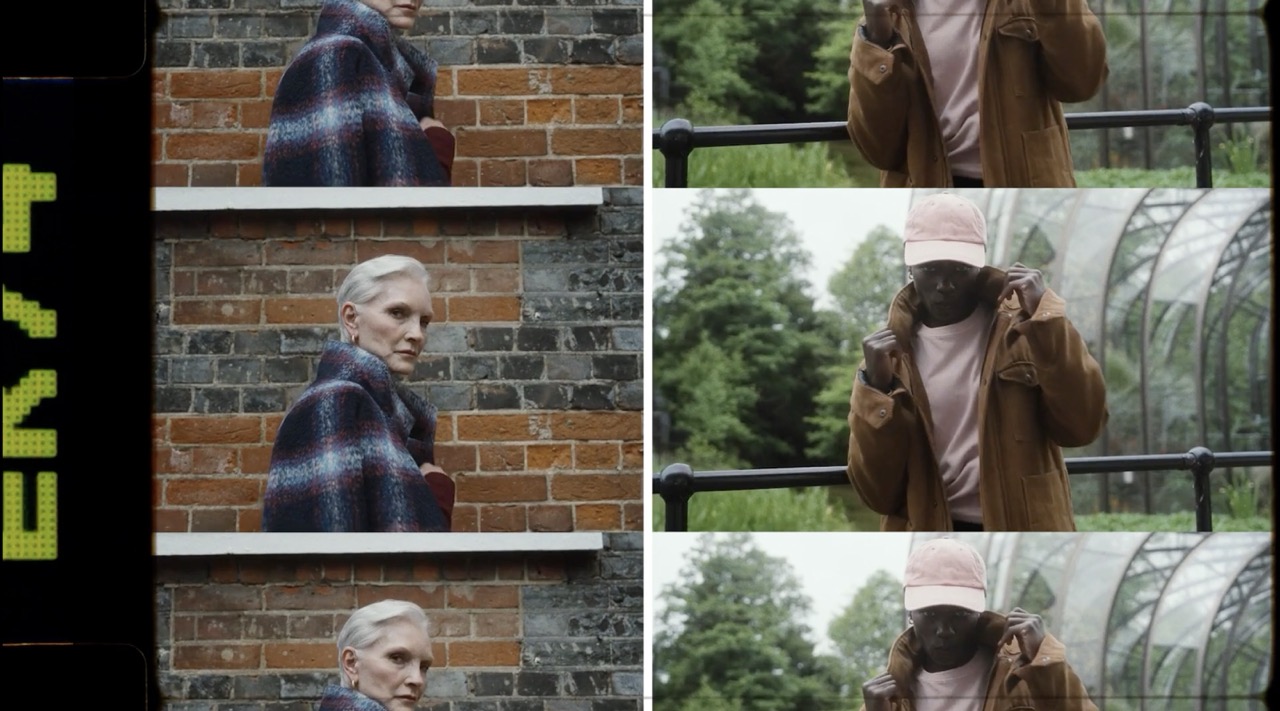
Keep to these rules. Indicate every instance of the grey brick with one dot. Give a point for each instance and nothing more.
(603, 279)
(475, 367)
(492, 339)
(592, 397)
(591, 51)
(189, 706)
(520, 367)
(256, 687)
(537, 683)
(216, 400)
(588, 338)
(447, 684)
(450, 50)
(545, 279)
(239, 371)
(588, 683)
(615, 22)
(492, 683)
(567, 705)
(546, 624)
(627, 596)
(565, 252)
(615, 705)
(195, 25)
(625, 566)
(565, 597)
(286, 26)
(294, 3)
(160, 374)
(195, 369)
(432, 22)
(451, 396)
(627, 307)
(534, 338)
(477, 705)
(216, 55)
(208, 4)
(630, 396)
(263, 400)
(624, 196)
(447, 339)
(303, 686)
(171, 53)
(628, 683)
(209, 342)
(497, 50)
(209, 686)
(286, 370)
(522, 705)
(546, 50)
(626, 652)
(543, 309)
(563, 653)
(264, 54)
(568, 367)
(256, 342)
(432, 368)
(629, 50)
(615, 367)
(627, 251)
(568, 22)
(475, 23)
(170, 685)
(619, 541)
(520, 22)
(497, 396)
(170, 399)
(304, 341)
(622, 222)
(238, 26)
(546, 396)
(169, 341)
(628, 339)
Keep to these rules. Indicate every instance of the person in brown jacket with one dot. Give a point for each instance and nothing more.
(957, 656)
(967, 93)
(962, 402)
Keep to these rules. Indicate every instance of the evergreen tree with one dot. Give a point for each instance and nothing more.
(864, 631)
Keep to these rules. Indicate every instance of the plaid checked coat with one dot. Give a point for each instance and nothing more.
(340, 698)
(347, 454)
(347, 108)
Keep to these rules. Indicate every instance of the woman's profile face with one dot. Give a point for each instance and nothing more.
(393, 324)
(392, 670)
(400, 13)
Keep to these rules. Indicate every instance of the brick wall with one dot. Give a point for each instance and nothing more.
(537, 92)
(534, 358)
(544, 632)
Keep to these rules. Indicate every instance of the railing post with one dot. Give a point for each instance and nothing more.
(675, 485)
(677, 144)
(1201, 122)
(1201, 465)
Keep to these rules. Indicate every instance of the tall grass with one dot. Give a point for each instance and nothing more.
(777, 166)
(1181, 521)
(763, 510)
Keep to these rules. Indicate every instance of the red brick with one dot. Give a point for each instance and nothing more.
(218, 282)
(265, 281)
(211, 492)
(168, 175)
(501, 112)
(501, 82)
(218, 627)
(597, 80)
(221, 145)
(496, 281)
(596, 456)
(633, 455)
(310, 597)
(598, 517)
(217, 253)
(299, 655)
(484, 596)
(595, 141)
(425, 251)
(255, 114)
(633, 171)
(597, 425)
(550, 173)
(450, 279)
(633, 517)
(465, 518)
(217, 311)
(500, 143)
(444, 83)
(633, 110)
(216, 656)
(456, 112)
(169, 521)
(215, 429)
(484, 654)
(546, 569)
(498, 428)
(183, 627)
(255, 460)
(501, 457)
(449, 624)
(270, 424)
(310, 252)
(205, 84)
(222, 520)
(483, 308)
(500, 488)
(509, 519)
(271, 80)
(249, 520)
(549, 456)
(595, 110)
(298, 310)
(430, 597)
(249, 174)
(598, 171)
(466, 173)
(502, 173)
(544, 111)
(595, 487)
(200, 460)
(311, 626)
(550, 518)
(197, 114)
(496, 624)
(217, 598)
(268, 626)
(511, 569)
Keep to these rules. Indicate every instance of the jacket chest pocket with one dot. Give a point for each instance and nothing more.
(1017, 50)
(1019, 397)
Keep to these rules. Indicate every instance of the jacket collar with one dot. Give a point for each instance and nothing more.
(355, 19)
(339, 698)
(350, 363)
(904, 312)
(906, 657)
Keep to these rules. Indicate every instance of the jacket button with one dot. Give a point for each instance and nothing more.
(1029, 32)
(1028, 377)
(882, 412)
(883, 69)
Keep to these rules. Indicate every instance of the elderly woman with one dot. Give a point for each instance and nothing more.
(355, 107)
(355, 452)
(383, 656)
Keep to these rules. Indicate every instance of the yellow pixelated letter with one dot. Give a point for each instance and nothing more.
(18, 403)
(36, 321)
(42, 543)
(21, 188)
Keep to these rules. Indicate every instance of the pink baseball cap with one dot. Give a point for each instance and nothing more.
(945, 228)
(945, 571)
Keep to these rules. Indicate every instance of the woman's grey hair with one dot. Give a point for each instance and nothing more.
(364, 627)
(365, 281)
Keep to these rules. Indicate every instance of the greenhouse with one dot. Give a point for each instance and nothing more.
(1171, 288)
(1150, 620)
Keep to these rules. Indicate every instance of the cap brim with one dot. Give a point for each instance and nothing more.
(975, 255)
(922, 596)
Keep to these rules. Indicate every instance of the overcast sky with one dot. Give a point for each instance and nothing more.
(830, 566)
(831, 222)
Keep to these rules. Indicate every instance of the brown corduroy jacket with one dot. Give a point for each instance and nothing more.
(1032, 54)
(1046, 683)
(1040, 390)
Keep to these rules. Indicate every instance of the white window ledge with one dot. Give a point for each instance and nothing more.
(213, 199)
(216, 544)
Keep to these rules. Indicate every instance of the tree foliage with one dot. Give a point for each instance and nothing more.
(731, 634)
(864, 631)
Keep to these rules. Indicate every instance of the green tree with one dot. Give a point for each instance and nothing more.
(732, 278)
(864, 631)
(731, 631)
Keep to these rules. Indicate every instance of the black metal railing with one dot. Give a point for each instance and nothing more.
(678, 482)
(677, 138)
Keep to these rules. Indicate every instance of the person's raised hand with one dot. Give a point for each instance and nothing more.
(878, 693)
(880, 350)
(881, 15)
(1027, 628)
(1027, 283)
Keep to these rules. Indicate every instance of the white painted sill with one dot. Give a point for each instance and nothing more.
(217, 199)
(241, 544)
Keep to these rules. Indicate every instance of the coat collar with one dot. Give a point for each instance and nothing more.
(401, 59)
(905, 309)
(346, 362)
(339, 698)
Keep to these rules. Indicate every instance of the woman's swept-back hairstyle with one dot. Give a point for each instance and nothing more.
(365, 626)
(365, 280)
